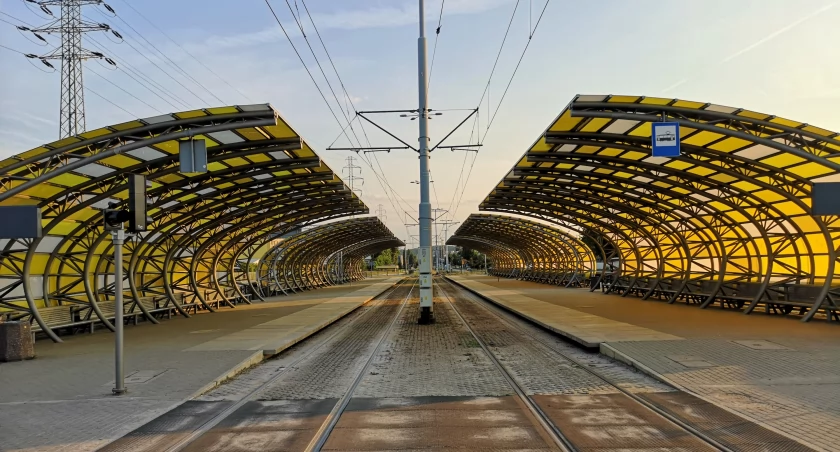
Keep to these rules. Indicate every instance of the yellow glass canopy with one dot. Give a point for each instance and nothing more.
(262, 181)
(730, 218)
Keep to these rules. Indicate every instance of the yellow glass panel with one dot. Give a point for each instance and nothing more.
(236, 161)
(643, 130)
(95, 133)
(769, 196)
(753, 115)
(730, 144)
(746, 186)
(783, 160)
(689, 104)
(83, 214)
(128, 125)
(222, 110)
(282, 173)
(169, 147)
(725, 178)
(169, 178)
(251, 134)
(586, 150)
(187, 197)
(807, 223)
(541, 146)
(610, 152)
(304, 153)
(216, 166)
(280, 130)
(595, 124)
(119, 161)
(190, 114)
(679, 164)
(790, 208)
(63, 227)
(656, 101)
(565, 123)
(702, 138)
(68, 180)
(623, 99)
(33, 152)
(258, 158)
(818, 131)
(810, 170)
(43, 191)
(65, 142)
(786, 122)
(224, 185)
(633, 155)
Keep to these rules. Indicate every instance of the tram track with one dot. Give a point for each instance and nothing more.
(561, 440)
(203, 425)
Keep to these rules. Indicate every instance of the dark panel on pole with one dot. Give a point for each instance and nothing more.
(20, 222)
(825, 198)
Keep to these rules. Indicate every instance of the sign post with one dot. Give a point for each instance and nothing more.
(665, 138)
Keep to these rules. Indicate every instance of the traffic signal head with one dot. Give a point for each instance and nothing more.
(137, 219)
(114, 218)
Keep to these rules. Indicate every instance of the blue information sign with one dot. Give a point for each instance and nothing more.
(665, 137)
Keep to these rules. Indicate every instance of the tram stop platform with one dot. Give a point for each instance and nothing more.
(776, 371)
(62, 399)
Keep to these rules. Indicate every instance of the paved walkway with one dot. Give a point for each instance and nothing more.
(774, 370)
(62, 400)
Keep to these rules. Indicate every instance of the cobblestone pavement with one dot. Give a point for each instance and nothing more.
(441, 359)
(796, 392)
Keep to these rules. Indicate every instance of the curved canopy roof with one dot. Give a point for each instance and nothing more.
(326, 254)
(517, 244)
(735, 206)
(262, 179)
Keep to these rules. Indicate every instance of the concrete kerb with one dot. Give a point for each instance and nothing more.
(591, 346)
(607, 350)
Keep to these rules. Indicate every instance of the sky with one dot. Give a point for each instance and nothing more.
(773, 56)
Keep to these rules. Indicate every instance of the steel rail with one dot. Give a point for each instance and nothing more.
(560, 440)
(647, 404)
(224, 414)
(323, 433)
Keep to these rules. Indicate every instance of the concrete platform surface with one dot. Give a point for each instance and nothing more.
(62, 399)
(776, 371)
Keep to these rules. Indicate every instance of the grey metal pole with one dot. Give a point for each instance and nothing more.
(118, 237)
(485, 265)
(426, 293)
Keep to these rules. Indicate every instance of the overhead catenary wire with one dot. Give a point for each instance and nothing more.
(88, 89)
(144, 80)
(305, 67)
(124, 90)
(210, 70)
(161, 69)
(169, 60)
(384, 181)
(518, 63)
(490, 119)
(320, 91)
(434, 50)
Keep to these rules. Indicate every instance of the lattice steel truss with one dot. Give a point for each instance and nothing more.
(528, 250)
(728, 222)
(262, 182)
